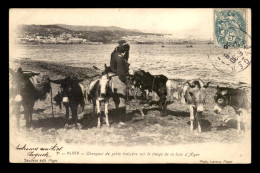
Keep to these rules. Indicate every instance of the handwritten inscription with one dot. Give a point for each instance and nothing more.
(39, 154)
(52, 148)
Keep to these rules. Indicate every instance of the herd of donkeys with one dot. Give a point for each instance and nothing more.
(26, 87)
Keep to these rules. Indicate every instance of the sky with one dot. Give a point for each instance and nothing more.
(196, 23)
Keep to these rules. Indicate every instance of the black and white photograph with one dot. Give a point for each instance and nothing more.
(128, 85)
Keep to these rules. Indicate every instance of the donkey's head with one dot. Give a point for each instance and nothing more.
(197, 94)
(104, 84)
(69, 87)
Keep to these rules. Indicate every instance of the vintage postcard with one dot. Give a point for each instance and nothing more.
(130, 85)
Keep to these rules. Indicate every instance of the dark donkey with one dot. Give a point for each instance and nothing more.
(72, 94)
(157, 83)
(26, 92)
(236, 98)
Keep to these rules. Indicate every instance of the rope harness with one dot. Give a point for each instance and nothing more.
(153, 82)
(229, 99)
(52, 104)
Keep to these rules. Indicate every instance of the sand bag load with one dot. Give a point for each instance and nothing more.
(42, 85)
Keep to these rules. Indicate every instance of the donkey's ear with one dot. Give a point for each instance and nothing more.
(207, 85)
(217, 87)
(96, 68)
(80, 80)
(190, 85)
(110, 77)
(59, 81)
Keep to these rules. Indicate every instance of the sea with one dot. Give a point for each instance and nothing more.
(174, 61)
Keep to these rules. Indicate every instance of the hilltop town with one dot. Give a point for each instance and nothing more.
(69, 34)
(64, 38)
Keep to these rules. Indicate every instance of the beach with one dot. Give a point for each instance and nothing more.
(153, 129)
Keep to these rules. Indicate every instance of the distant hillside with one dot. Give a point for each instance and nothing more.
(96, 28)
(43, 30)
(103, 34)
(91, 33)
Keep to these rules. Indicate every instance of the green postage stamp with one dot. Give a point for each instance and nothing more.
(230, 28)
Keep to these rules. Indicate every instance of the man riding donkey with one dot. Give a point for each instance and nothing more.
(112, 82)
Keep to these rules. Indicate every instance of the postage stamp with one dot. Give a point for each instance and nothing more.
(230, 28)
(232, 40)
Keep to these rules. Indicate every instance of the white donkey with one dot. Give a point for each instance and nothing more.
(101, 90)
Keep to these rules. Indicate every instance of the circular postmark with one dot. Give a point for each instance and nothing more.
(231, 60)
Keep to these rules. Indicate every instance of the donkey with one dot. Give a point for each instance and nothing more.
(26, 93)
(234, 97)
(194, 94)
(72, 94)
(147, 82)
(101, 90)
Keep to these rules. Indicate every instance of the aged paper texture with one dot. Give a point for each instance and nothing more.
(130, 85)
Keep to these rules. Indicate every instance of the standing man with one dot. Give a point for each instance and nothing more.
(119, 60)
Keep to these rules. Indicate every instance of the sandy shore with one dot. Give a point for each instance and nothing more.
(155, 128)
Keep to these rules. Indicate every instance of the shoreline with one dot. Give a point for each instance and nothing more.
(98, 44)
(60, 69)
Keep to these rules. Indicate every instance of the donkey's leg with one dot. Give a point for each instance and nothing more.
(198, 121)
(26, 114)
(106, 113)
(30, 112)
(98, 113)
(116, 100)
(94, 108)
(244, 119)
(67, 112)
(165, 106)
(143, 95)
(169, 96)
(238, 123)
(164, 103)
(67, 115)
(127, 93)
(75, 115)
(191, 117)
(17, 114)
(135, 92)
(159, 102)
(147, 95)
